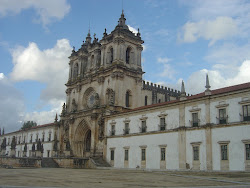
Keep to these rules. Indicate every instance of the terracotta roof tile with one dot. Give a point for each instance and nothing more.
(199, 95)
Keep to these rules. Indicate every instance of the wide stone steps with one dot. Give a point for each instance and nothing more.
(100, 162)
(49, 163)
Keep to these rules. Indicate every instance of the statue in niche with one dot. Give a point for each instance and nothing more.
(68, 146)
(25, 147)
(33, 147)
(101, 128)
(74, 106)
(38, 145)
(42, 149)
(97, 100)
(13, 143)
(3, 145)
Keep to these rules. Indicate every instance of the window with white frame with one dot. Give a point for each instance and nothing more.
(112, 130)
(246, 112)
(224, 153)
(196, 153)
(162, 124)
(126, 155)
(126, 128)
(195, 120)
(143, 126)
(222, 116)
(163, 154)
(247, 146)
(112, 154)
(143, 154)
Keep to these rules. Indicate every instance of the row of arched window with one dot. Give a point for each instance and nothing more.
(128, 52)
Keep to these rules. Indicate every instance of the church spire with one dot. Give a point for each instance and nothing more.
(207, 91)
(183, 92)
(56, 119)
(88, 38)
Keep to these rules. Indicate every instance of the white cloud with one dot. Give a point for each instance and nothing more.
(135, 31)
(49, 66)
(196, 82)
(163, 60)
(47, 10)
(12, 105)
(212, 30)
(1, 76)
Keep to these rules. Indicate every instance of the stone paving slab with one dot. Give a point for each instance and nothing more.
(60, 177)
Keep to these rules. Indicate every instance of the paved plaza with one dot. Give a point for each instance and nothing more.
(60, 177)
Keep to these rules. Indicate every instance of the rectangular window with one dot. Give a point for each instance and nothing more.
(19, 141)
(246, 112)
(195, 121)
(126, 155)
(112, 130)
(143, 127)
(24, 139)
(31, 139)
(49, 136)
(126, 130)
(222, 116)
(224, 152)
(163, 154)
(112, 155)
(143, 154)
(43, 137)
(162, 124)
(196, 153)
(247, 151)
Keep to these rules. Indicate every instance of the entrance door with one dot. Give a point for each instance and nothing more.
(88, 141)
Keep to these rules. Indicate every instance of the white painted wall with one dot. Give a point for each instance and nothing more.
(152, 150)
(236, 147)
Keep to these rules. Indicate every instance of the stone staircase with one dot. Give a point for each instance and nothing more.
(100, 162)
(49, 163)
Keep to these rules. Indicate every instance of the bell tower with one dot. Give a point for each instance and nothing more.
(122, 47)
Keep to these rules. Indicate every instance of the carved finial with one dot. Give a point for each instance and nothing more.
(183, 93)
(73, 49)
(138, 33)
(207, 91)
(207, 83)
(56, 119)
(94, 35)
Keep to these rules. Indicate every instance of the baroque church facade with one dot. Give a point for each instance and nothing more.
(111, 113)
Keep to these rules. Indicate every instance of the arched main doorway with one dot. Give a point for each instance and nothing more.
(82, 140)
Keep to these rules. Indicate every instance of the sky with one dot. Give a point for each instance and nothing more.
(183, 40)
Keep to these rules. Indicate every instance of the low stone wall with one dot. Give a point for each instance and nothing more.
(36, 162)
(20, 162)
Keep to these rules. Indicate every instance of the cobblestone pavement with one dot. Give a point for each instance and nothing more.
(60, 177)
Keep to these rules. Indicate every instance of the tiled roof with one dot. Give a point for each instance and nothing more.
(36, 127)
(199, 95)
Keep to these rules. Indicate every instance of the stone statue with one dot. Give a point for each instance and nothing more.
(39, 145)
(3, 145)
(33, 147)
(74, 106)
(97, 100)
(101, 128)
(68, 146)
(42, 148)
(25, 147)
(13, 143)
